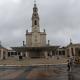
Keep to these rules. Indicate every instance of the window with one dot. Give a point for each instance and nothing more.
(35, 22)
(60, 53)
(72, 51)
(63, 52)
(34, 14)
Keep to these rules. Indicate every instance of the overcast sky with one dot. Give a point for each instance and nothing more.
(60, 18)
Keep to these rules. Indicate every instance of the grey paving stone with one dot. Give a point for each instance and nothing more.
(63, 75)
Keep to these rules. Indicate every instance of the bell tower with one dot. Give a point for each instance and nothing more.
(35, 38)
(35, 27)
(35, 19)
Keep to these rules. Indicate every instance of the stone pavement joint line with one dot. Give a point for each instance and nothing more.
(50, 72)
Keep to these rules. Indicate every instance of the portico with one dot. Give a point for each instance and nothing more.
(3, 52)
(36, 52)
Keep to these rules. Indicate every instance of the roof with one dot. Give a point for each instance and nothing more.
(1, 47)
(62, 48)
(77, 44)
(19, 49)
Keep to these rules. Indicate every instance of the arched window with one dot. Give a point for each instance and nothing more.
(34, 14)
(35, 22)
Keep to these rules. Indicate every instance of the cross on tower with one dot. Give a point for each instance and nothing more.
(34, 1)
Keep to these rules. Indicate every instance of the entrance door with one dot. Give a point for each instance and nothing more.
(36, 54)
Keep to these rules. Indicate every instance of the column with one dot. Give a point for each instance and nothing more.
(46, 54)
(21, 54)
(74, 54)
(70, 53)
(10, 54)
(27, 54)
(74, 51)
(1, 54)
(58, 52)
(66, 53)
(55, 52)
(50, 54)
(6, 54)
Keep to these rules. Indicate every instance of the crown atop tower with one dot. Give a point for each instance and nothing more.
(35, 9)
(35, 19)
(34, 3)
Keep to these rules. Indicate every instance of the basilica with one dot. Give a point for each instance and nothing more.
(36, 45)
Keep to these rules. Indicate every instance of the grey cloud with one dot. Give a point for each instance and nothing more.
(60, 18)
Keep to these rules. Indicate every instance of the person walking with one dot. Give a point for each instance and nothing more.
(68, 65)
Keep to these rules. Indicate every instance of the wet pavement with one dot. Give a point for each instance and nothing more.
(43, 72)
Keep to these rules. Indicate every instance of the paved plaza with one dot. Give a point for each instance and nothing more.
(29, 62)
(42, 72)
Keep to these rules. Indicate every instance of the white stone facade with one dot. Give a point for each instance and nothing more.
(35, 38)
(3, 53)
